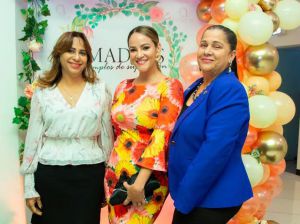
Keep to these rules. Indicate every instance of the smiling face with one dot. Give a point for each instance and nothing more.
(214, 53)
(74, 61)
(143, 52)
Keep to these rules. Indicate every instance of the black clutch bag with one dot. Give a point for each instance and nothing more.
(120, 193)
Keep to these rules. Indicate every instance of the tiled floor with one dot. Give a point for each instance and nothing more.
(285, 208)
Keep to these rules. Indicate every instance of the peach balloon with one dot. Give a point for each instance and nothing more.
(218, 10)
(258, 85)
(285, 106)
(203, 10)
(274, 80)
(277, 168)
(275, 127)
(246, 149)
(200, 32)
(189, 69)
(251, 136)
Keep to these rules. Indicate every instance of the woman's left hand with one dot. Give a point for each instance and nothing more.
(135, 195)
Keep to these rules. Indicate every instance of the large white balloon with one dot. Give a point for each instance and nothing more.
(255, 28)
(263, 111)
(288, 12)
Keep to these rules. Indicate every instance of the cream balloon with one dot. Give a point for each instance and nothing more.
(255, 28)
(285, 107)
(288, 12)
(254, 169)
(231, 24)
(236, 8)
(263, 111)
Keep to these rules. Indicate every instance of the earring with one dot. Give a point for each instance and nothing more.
(229, 68)
(158, 60)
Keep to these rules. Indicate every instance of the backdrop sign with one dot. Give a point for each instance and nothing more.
(107, 23)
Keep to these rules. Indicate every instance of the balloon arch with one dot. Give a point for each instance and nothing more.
(254, 22)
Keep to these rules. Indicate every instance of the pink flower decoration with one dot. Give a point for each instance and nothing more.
(34, 46)
(139, 1)
(156, 14)
(88, 32)
(28, 91)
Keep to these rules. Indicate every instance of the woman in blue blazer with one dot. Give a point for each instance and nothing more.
(207, 178)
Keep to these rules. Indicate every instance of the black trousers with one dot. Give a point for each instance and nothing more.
(69, 194)
(205, 216)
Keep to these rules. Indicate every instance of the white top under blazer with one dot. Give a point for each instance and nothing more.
(59, 134)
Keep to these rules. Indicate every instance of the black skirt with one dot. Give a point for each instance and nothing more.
(69, 194)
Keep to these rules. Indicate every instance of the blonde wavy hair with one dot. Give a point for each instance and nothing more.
(64, 43)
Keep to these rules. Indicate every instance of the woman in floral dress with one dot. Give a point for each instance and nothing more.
(144, 111)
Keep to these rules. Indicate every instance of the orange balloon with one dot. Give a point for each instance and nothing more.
(277, 168)
(249, 207)
(260, 213)
(240, 60)
(266, 174)
(189, 69)
(263, 193)
(200, 33)
(203, 10)
(258, 85)
(233, 221)
(246, 149)
(275, 127)
(274, 185)
(247, 219)
(251, 136)
(218, 10)
(274, 80)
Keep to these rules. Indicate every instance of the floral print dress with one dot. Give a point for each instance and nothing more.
(143, 117)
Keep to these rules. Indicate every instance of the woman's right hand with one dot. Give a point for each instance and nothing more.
(35, 205)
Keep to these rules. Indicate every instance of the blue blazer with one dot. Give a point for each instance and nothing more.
(205, 166)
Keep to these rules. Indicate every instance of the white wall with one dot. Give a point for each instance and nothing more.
(11, 198)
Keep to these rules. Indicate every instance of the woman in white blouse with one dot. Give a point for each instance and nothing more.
(69, 138)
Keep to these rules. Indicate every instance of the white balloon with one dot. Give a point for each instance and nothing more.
(288, 12)
(263, 111)
(255, 28)
(254, 169)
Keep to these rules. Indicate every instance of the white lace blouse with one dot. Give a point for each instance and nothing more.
(62, 135)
